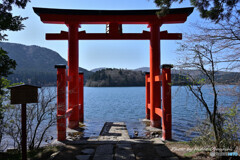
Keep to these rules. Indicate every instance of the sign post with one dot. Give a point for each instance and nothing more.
(24, 132)
(23, 94)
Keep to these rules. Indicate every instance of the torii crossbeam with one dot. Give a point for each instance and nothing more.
(114, 19)
(164, 35)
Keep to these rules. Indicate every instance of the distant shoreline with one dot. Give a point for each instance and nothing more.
(137, 86)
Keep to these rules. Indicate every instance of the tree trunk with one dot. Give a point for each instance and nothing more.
(217, 141)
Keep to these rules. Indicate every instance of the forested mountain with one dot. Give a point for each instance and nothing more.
(121, 77)
(35, 65)
(221, 77)
(116, 78)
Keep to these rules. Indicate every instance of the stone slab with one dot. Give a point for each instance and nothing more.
(103, 157)
(124, 146)
(122, 154)
(157, 141)
(163, 151)
(106, 149)
(82, 157)
(88, 151)
(114, 131)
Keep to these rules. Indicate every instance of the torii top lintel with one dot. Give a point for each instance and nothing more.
(65, 16)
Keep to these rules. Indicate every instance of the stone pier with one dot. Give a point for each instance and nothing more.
(114, 143)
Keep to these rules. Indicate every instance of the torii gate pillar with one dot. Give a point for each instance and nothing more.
(155, 90)
(73, 84)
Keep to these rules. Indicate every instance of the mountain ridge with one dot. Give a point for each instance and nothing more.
(35, 64)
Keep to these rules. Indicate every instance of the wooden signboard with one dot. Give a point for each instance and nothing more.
(23, 94)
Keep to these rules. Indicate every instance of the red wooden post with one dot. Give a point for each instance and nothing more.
(166, 103)
(61, 102)
(81, 86)
(155, 92)
(73, 85)
(147, 75)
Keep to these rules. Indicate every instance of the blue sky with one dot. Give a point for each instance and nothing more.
(129, 54)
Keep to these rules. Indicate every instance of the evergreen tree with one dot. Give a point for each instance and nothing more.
(10, 23)
(215, 10)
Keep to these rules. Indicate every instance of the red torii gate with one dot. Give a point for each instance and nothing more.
(114, 20)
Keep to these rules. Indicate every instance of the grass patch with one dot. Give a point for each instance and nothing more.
(190, 154)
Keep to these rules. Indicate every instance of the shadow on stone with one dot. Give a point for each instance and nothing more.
(114, 143)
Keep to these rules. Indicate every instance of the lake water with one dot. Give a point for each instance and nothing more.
(127, 104)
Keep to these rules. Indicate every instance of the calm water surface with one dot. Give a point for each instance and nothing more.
(127, 104)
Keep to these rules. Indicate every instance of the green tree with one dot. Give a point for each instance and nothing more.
(8, 22)
(4, 83)
(6, 64)
(215, 10)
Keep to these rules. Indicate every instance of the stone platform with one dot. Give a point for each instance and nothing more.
(114, 131)
(114, 143)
